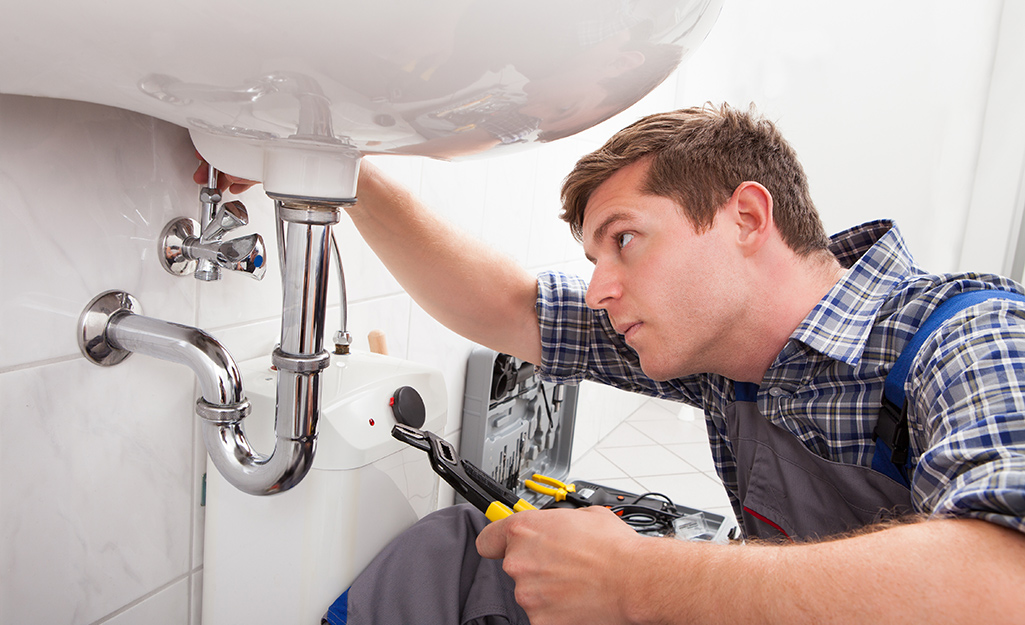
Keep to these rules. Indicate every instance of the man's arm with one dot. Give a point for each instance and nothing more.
(586, 566)
(471, 289)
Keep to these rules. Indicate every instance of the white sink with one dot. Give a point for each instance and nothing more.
(292, 93)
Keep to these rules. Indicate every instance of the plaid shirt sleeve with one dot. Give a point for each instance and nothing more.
(968, 407)
(578, 343)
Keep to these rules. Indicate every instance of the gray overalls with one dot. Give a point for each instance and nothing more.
(785, 490)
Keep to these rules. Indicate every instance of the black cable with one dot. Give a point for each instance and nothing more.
(645, 518)
(548, 408)
(667, 505)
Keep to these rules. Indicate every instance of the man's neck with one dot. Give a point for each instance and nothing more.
(788, 292)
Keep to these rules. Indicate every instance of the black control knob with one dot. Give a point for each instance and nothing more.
(408, 407)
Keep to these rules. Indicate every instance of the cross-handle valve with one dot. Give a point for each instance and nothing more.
(229, 216)
(185, 248)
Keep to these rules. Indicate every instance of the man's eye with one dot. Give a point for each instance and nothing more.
(625, 238)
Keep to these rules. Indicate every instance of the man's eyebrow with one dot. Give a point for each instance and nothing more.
(603, 228)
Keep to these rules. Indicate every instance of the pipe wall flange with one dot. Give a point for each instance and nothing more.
(93, 323)
(222, 414)
(300, 364)
(172, 246)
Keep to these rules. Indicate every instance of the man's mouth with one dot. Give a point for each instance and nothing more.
(629, 329)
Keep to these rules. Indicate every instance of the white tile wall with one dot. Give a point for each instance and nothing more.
(96, 504)
(102, 470)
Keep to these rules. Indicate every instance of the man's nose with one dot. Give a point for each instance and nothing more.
(603, 288)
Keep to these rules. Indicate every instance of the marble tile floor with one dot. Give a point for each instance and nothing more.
(661, 447)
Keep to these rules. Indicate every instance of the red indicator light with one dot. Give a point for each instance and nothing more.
(371, 422)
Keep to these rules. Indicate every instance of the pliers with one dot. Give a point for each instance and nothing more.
(557, 489)
(477, 487)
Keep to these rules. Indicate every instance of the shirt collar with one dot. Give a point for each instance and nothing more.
(877, 259)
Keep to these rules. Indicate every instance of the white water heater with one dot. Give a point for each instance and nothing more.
(284, 558)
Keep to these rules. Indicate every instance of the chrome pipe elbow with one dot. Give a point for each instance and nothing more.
(111, 328)
(219, 378)
(295, 423)
(223, 405)
(250, 471)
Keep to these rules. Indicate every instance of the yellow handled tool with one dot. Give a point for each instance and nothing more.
(477, 487)
(557, 489)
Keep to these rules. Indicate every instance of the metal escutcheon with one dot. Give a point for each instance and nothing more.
(174, 235)
(92, 327)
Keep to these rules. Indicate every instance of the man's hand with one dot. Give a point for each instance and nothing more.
(568, 564)
(231, 184)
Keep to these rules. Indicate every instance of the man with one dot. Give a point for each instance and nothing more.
(714, 284)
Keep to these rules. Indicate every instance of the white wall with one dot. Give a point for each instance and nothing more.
(887, 103)
(883, 101)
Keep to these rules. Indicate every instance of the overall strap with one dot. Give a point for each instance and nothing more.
(891, 432)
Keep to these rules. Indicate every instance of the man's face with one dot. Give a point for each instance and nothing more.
(666, 288)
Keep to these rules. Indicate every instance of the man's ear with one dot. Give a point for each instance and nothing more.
(751, 208)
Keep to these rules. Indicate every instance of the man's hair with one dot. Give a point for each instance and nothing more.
(698, 157)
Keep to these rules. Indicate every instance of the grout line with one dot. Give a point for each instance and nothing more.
(145, 597)
(241, 324)
(39, 363)
(598, 447)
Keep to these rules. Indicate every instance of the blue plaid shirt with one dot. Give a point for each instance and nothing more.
(965, 396)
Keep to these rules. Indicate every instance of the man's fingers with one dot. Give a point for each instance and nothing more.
(200, 177)
(231, 184)
(237, 185)
(492, 540)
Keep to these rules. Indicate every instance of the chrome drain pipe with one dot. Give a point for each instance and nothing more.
(299, 359)
(111, 328)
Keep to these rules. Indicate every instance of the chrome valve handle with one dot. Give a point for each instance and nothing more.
(245, 254)
(229, 216)
(182, 248)
(186, 246)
